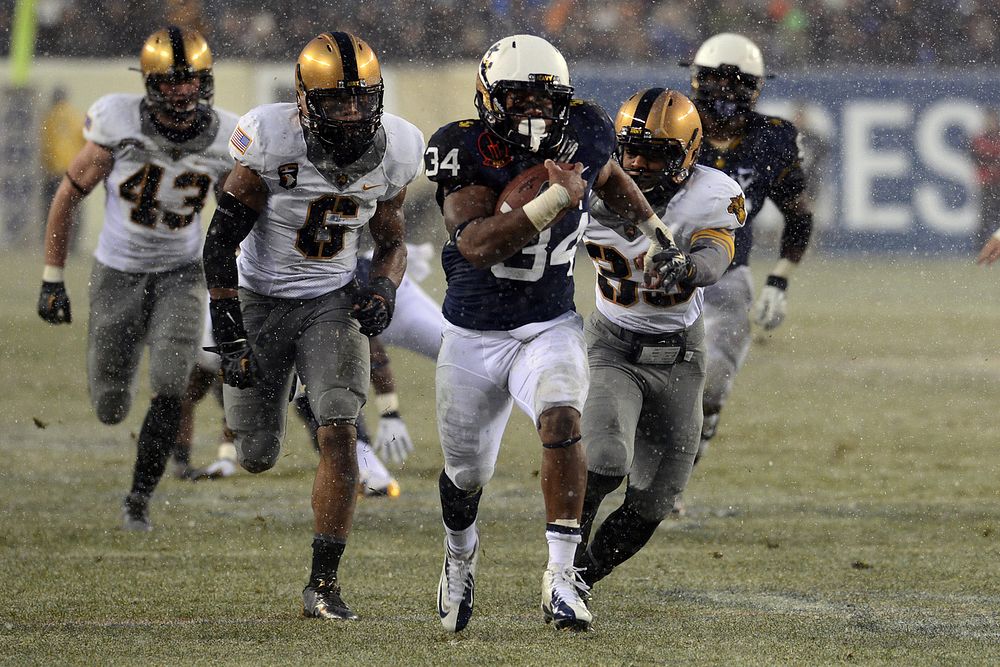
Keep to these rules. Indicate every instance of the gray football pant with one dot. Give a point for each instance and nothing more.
(727, 334)
(161, 310)
(318, 339)
(643, 421)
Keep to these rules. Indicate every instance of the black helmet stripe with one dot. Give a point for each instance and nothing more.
(644, 106)
(177, 46)
(347, 56)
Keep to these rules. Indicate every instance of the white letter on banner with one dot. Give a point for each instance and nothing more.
(952, 163)
(864, 163)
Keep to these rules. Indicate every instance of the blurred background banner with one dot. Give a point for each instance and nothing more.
(888, 150)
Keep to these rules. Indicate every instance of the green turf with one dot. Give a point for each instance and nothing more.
(848, 512)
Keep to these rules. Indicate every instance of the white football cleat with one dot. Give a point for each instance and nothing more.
(562, 601)
(214, 470)
(457, 588)
(376, 480)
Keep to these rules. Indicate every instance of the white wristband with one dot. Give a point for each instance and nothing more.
(52, 274)
(386, 403)
(544, 208)
(996, 235)
(649, 226)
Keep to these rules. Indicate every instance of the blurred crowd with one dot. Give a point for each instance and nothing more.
(792, 33)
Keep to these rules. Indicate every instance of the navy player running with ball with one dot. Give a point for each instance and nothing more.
(512, 334)
(761, 153)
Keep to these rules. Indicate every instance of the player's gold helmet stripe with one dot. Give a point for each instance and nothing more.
(175, 50)
(337, 60)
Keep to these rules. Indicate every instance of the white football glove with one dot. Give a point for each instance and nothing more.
(769, 310)
(393, 442)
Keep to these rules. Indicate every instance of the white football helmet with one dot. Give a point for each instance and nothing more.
(726, 77)
(523, 92)
(728, 48)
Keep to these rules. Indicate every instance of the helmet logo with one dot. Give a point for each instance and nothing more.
(543, 78)
(288, 175)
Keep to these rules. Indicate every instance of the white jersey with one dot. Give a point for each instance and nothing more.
(156, 190)
(305, 244)
(709, 202)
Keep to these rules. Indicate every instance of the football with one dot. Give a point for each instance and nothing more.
(524, 187)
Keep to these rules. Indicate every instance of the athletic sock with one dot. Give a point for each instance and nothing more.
(620, 537)
(156, 441)
(562, 540)
(327, 552)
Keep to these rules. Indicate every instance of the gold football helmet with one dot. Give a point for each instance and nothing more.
(339, 90)
(171, 57)
(662, 126)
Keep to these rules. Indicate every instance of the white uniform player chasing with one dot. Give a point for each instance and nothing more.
(159, 157)
(646, 347)
(309, 177)
(416, 326)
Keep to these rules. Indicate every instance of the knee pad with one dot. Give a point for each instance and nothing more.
(112, 406)
(257, 451)
(649, 508)
(472, 480)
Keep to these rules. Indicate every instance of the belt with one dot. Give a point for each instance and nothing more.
(635, 338)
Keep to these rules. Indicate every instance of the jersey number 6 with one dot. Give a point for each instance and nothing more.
(322, 237)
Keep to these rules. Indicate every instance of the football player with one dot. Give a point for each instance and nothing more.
(762, 154)
(512, 334)
(646, 348)
(159, 156)
(308, 178)
(416, 326)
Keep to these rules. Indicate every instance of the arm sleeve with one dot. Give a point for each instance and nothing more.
(711, 253)
(231, 223)
(788, 195)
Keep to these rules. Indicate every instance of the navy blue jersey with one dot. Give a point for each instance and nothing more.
(767, 163)
(535, 284)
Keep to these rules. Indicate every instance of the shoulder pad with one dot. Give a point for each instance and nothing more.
(458, 151)
(265, 136)
(404, 152)
(113, 119)
(592, 122)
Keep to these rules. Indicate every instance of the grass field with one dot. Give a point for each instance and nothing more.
(848, 512)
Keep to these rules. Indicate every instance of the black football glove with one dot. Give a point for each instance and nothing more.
(239, 365)
(670, 264)
(374, 304)
(53, 303)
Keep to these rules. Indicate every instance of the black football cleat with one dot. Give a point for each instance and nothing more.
(135, 513)
(324, 601)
